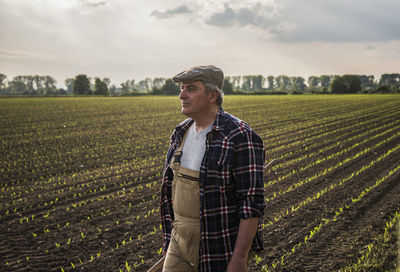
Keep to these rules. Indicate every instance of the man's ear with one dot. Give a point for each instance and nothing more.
(213, 97)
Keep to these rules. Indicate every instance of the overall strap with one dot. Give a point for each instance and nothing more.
(178, 153)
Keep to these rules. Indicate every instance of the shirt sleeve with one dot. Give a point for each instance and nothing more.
(248, 172)
(166, 214)
(166, 201)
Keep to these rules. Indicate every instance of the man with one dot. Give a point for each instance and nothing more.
(212, 193)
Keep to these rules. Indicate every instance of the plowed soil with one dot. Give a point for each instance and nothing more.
(80, 190)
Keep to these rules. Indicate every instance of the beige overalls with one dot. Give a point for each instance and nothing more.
(183, 250)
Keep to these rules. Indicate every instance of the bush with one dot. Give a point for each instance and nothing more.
(382, 89)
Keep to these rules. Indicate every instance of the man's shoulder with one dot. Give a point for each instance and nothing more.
(238, 130)
(233, 123)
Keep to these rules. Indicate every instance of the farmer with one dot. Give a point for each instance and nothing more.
(212, 192)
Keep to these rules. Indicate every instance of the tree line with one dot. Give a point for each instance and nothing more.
(249, 84)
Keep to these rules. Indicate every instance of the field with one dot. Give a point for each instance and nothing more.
(80, 181)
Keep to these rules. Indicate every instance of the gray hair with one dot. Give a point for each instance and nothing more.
(212, 87)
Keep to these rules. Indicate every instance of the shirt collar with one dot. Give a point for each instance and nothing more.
(219, 123)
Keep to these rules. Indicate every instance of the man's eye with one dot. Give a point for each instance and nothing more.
(189, 88)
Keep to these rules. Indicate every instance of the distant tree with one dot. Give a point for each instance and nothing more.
(113, 89)
(17, 86)
(235, 81)
(271, 84)
(38, 81)
(128, 86)
(69, 83)
(297, 84)
(157, 91)
(227, 87)
(170, 87)
(29, 88)
(338, 85)
(282, 83)
(3, 83)
(107, 81)
(61, 91)
(125, 87)
(26, 82)
(367, 82)
(50, 85)
(382, 89)
(144, 85)
(392, 81)
(313, 82)
(325, 81)
(82, 85)
(346, 84)
(247, 84)
(353, 82)
(157, 84)
(258, 82)
(33, 85)
(253, 83)
(100, 87)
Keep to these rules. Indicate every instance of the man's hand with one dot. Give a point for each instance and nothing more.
(237, 264)
(247, 231)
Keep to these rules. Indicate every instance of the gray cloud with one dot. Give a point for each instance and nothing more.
(314, 20)
(256, 15)
(170, 12)
(343, 21)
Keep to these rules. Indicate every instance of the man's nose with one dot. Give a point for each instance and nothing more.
(182, 94)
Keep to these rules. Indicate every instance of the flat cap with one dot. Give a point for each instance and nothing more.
(207, 73)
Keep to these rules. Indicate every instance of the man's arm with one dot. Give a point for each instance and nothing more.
(248, 172)
(247, 231)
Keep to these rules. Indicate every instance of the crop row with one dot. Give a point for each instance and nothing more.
(374, 252)
(318, 160)
(329, 169)
(327, 221)
(329, 188)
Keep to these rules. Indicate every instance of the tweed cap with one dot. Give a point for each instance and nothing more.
(207, 73)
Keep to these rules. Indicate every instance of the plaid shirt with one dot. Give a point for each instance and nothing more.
(231, 188)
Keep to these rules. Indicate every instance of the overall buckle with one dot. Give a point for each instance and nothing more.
(177, 156)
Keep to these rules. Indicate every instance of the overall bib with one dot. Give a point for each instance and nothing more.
(183, 250)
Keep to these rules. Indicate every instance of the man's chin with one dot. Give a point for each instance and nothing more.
(185, 111)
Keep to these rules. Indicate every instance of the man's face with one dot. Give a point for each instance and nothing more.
(195, 100)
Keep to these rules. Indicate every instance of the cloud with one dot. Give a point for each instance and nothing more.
(343, 21)
(93, 3)
(257, 14)
(170, 12)
(308, 20)
(8, 54)
(241, 17)
(23, 55)
(264, 15)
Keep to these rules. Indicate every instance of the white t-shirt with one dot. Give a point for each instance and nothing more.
(194, 147)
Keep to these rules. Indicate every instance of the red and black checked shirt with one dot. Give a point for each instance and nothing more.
(231, 188)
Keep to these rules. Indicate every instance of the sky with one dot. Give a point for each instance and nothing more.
(136, 39)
